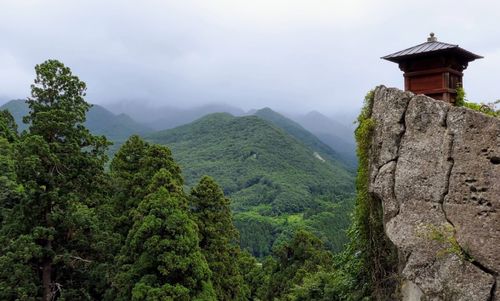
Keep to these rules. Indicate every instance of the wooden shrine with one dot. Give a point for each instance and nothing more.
(433, 68)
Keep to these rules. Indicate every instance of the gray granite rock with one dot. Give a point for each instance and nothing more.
(383, 188)
(473, 200)
(436, 170)
(388, 111)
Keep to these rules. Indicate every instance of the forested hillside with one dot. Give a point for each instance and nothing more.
(72, 230)
(69, 230)
(313, 142)
(276, 182)
(279, 175)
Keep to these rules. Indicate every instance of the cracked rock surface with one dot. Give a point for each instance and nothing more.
(436, 170)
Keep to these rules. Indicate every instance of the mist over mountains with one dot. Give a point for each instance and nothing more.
(166, 117)
(120, 120)
(337, 132)
(339, 136)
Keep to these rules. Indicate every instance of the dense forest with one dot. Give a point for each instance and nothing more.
(279, 176)
(72, 228)
(338, 151)
(277, 184)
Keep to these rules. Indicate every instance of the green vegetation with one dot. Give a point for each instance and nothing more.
(370, 253)
(460, 100)
(298, 132)
(18, 109)
(132, 168)
(367, 267)
(115, 127)
(218, 239)
(276, 183)
(445, 235)
(485, 108)
(51, 222)
(70, 230)
(161, 258)
(336, 135)
(294, 260)
(8, 126)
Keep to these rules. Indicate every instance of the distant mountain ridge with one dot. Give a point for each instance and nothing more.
(167, 117)
(276, 182)
(314, 127)
(299, 132)
(338, 136)
(100, 121)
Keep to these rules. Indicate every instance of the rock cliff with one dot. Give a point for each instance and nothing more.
(436, 170)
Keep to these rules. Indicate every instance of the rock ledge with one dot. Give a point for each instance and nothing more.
(435, 168)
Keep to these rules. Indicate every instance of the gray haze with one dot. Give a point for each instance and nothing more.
(293, 56)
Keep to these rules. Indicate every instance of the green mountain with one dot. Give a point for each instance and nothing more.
(17, 108)
(276, 182)
(300, 133)
(100, 121)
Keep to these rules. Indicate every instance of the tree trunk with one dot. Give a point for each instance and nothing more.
(47, 275)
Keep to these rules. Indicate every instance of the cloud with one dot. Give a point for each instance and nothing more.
(13, 75)
(288, 54)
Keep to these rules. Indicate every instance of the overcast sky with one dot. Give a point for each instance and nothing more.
(286, 54)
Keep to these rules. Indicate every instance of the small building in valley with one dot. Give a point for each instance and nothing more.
(433, 68)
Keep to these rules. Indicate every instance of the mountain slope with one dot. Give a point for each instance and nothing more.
(300, 133)
(100, 121)
(161, 118)
(276, 183)
(17, 108)
(336, 135)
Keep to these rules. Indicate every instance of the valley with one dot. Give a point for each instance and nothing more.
(279, 176)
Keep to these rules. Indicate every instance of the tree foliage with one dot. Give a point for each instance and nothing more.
(161, 258)
(368, 264)
(58, 164)
(70, 230)
(218, 238)
(293, 262)
(8, 126)
(275, 182)
(489, 108)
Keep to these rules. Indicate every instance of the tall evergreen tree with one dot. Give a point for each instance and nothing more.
(218, 239)
(60, 166)
(305, 254)
(8, 126)
(17, 279)
(9, 189)
(254, 276)
(132, 169)
(161, 258)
